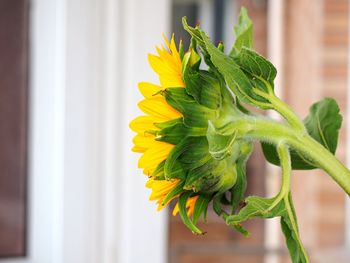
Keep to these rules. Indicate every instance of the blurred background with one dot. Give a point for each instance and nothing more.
(70, 190)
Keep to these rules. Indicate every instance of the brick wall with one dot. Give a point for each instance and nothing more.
(315, 66)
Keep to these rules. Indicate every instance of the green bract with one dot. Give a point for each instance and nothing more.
(214, 139)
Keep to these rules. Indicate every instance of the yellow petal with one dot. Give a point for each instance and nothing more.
(169, 81)
(173, 50)
(155, 155)
(160, 66)
(160, 188)
(148, 90)
(168, 76)
(145, 123)
(138, 149)
(158, 108)
(149, 171)
(189, 205)
(144, 140)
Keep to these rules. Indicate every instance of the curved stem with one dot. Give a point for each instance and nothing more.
(287, 113)
(283, 108)
(286, 166)
(266, 130)
(283, 154)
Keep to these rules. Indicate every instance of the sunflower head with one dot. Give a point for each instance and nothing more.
(189, 151)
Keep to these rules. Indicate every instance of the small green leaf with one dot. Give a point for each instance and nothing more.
(244, 32)
(183, 213)
(323, 124)
(259, 69)
(237, 80)
(274, 207)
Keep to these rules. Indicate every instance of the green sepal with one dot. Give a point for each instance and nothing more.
(227, 180)
(181, 50)
(175, 130)
(172, 167)
(224, 200)
(195, 115)
(244, 32)
(221, 47)
(173, 133)
(220, 145)
(200, 155)
(158, 173)
(204, 177)
(204, 88)
(183, 213)
(178, 189)
(200, 208)
(191, 59)
(217, 205)
(323, 124)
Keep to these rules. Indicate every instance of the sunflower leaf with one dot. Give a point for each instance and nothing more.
(323, 124)
(257, 68)
(244, 32)
(274, 207)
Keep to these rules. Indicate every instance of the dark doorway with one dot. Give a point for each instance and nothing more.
(13, 126)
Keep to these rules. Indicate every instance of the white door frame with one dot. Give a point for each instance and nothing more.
(87, 200)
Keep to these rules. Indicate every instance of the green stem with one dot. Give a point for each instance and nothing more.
(266, 130)
(293, 220)
(285, 193)
(283, 108)
(283, 154)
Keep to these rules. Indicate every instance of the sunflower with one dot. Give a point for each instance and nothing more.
(168, 65)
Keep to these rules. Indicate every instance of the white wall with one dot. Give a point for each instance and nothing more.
(87, 200)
